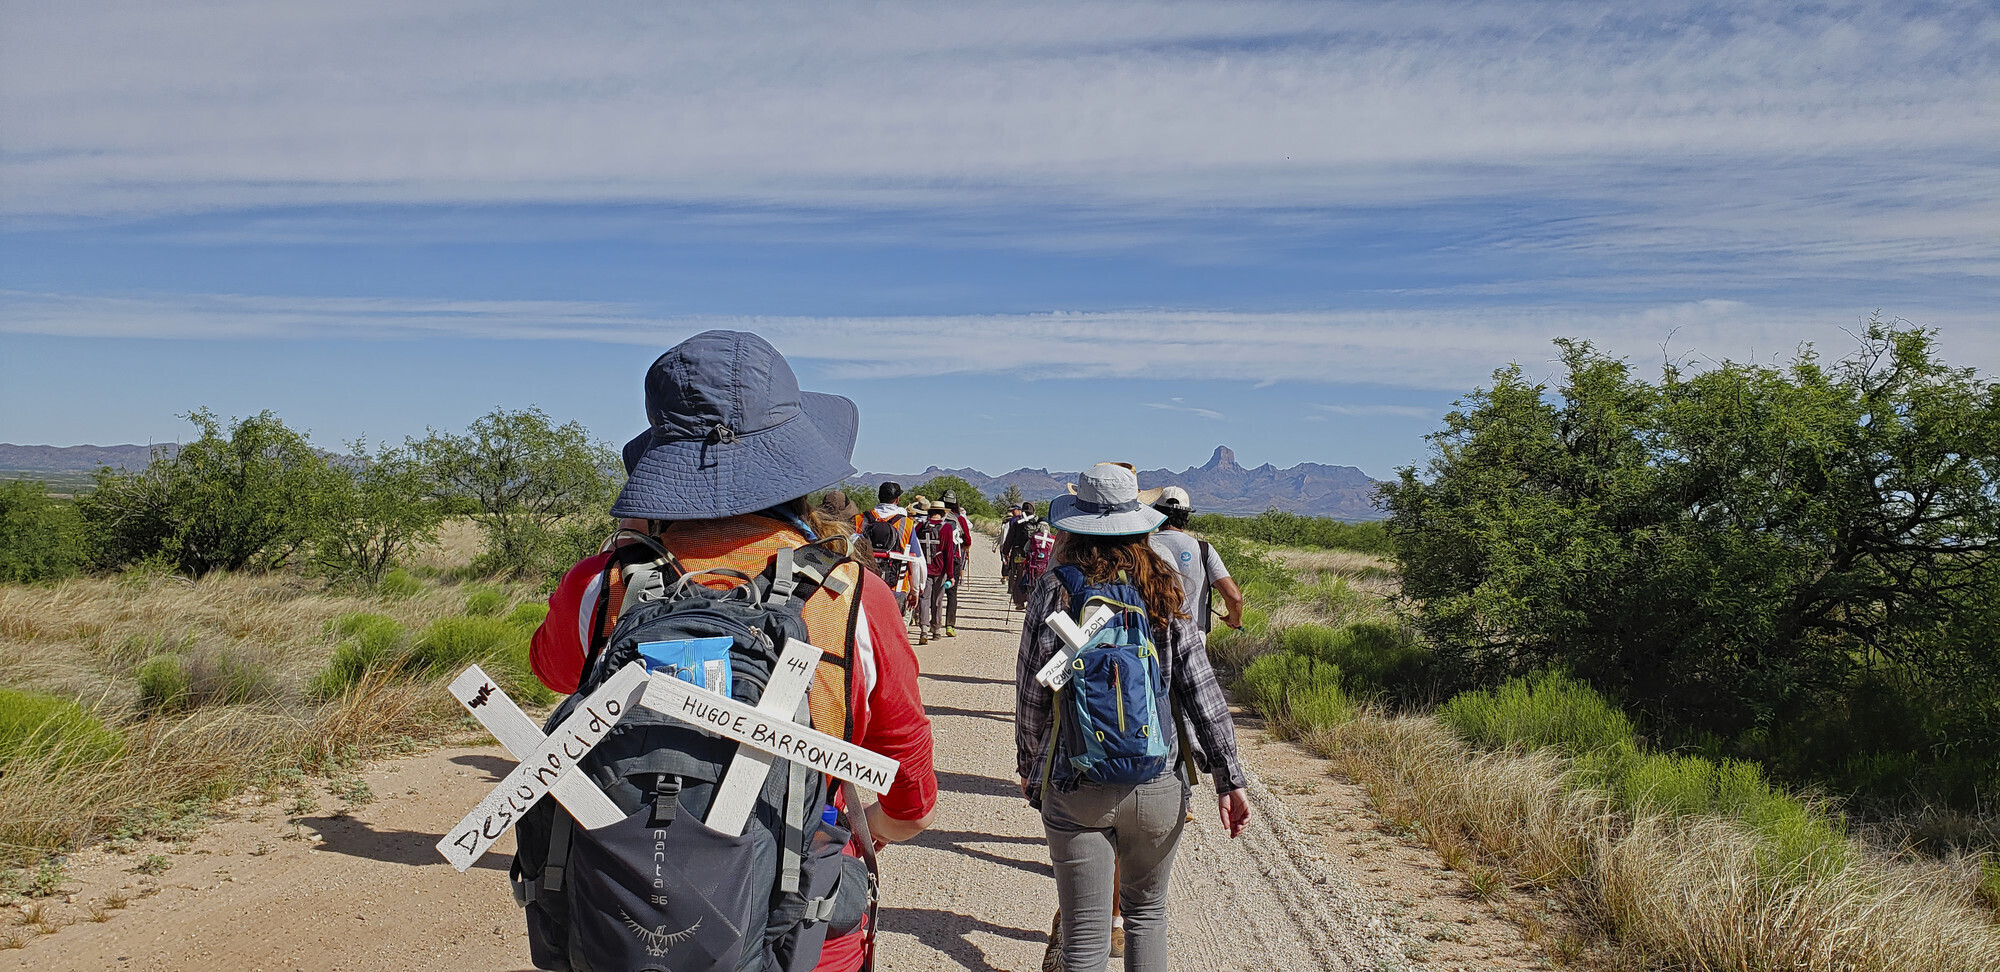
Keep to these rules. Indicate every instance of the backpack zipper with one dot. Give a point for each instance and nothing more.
(1118, 689)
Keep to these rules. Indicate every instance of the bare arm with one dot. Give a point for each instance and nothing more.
(1232, 600)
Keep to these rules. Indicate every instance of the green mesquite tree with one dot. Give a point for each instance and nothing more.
(525, 476)
(1730, 549)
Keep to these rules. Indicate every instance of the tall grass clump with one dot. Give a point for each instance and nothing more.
(1298, 693)
(399, 583)
(484, 602)
(1547, 710)
(180, 682)
(34, 725)
(501, 648)
(370, 643)
(1792, 832)
(1693, 867)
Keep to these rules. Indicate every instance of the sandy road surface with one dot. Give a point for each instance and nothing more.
(361, 889)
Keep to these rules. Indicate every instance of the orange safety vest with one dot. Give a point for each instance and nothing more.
(747, 544)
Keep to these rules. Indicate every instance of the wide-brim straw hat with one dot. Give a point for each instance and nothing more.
(731, 433)
(1105, 502)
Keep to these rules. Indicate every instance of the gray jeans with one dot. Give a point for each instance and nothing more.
(1114, 839)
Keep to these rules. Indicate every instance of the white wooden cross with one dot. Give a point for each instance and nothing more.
(543, 766)
(519, 736)
(764, 730)
(1056, 673)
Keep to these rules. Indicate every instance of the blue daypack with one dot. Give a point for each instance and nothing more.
(1108, 718)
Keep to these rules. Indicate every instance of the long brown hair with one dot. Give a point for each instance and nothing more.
(1102, 559)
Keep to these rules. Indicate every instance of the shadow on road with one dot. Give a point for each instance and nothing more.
(972, 784)
(951, 933)
(960, 842)
(346, 835)
(945, 710)
(496, 768)
(966, 680)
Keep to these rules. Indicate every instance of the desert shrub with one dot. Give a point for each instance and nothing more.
(484, 602)
(971, 500)
(1547, 710)
(375, 512)
(1297, 530)
(1729, 549)
(539, 491)
(399, 583)
(44, 727)
(252, 497)
(41, 538)
(180, 682)
(1258, 573)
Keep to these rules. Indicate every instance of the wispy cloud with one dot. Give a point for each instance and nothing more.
(1851, 133)
(1435, 348)
(1181, 405)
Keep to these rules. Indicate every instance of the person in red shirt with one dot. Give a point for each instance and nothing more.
(720, 479)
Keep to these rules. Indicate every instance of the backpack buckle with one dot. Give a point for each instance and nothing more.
(666, 800)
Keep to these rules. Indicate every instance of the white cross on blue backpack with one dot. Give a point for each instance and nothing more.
(1108, 718)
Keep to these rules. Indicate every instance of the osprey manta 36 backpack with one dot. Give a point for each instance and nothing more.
(1108, 718)
(661, 890)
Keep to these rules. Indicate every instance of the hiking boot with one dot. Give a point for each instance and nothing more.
(950, 632)
(1117, 942)
(922, 638)
(1052, 959)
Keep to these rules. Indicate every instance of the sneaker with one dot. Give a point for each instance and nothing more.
(1117, 942)
(1052, 959)
(950, 632)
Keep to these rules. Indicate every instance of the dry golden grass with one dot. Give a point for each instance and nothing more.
(1666, 893)
(86, 640)
(459, 540)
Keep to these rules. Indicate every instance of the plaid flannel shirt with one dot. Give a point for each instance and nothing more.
(1191, 688)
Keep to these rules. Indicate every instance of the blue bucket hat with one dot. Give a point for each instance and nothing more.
(731, 433)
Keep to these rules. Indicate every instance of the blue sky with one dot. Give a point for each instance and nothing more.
(1016, 234)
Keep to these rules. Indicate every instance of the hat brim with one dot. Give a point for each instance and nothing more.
(691, 479)
(1065, 515)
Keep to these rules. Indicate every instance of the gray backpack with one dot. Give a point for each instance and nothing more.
(660, 890)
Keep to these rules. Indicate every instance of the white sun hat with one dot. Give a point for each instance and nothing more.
(1105, 504)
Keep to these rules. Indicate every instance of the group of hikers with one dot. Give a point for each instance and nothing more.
(721, 560)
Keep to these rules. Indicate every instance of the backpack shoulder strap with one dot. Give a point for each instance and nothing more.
(1074, 584)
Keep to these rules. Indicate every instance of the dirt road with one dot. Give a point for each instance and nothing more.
(358, 887)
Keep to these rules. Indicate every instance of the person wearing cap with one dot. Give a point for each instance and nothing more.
(720, 478)
(1119, 840)
(1201, 568)
(893, 540)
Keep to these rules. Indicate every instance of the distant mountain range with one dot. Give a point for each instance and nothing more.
(1220, 486)
(75, 459)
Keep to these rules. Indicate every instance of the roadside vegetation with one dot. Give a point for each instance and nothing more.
(251, 610)
(1705, 665)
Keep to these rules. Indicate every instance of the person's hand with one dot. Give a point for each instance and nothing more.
(1235, 808)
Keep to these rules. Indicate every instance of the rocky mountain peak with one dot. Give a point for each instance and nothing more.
(1224, 460)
